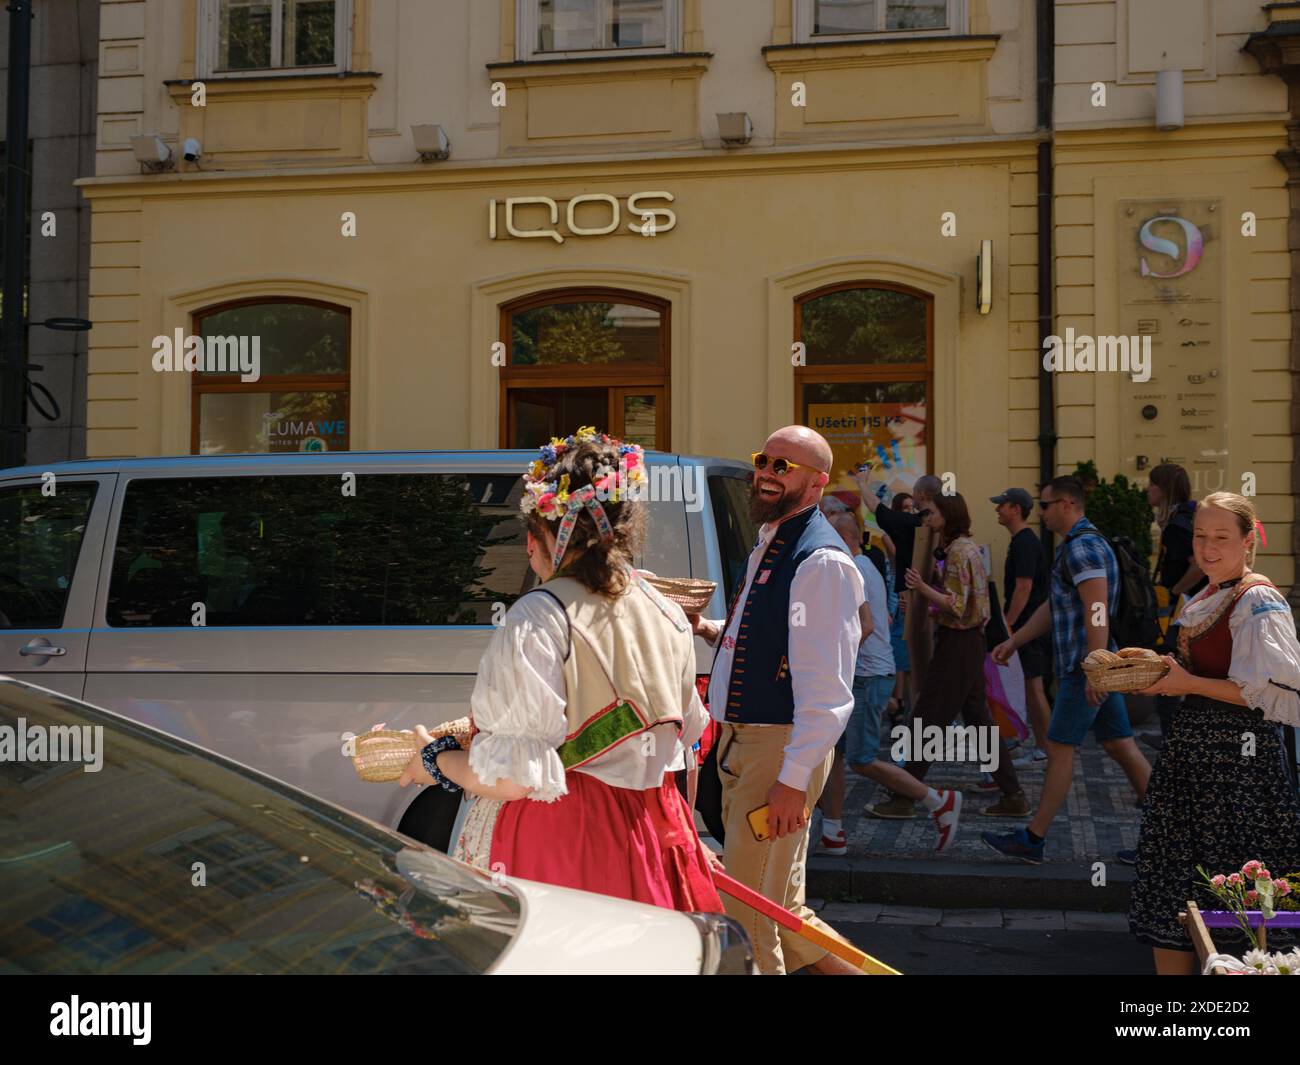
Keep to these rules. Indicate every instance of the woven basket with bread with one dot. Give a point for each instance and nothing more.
(690, 593)
(1129, 670)
(380, 755)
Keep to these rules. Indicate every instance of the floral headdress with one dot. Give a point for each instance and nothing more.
(550, 497)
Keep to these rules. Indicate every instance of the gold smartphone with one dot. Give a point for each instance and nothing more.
(758, 823)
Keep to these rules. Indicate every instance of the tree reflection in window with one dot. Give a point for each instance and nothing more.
(406, 550)
(864, 325)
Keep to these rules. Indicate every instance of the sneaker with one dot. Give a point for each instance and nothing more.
(1016, 844)
(834, 846)
(1127, 857)
(987, 783)
(1040, 755)
(945, 819)
(1009, 806)
(1024, 758)
(900, 808)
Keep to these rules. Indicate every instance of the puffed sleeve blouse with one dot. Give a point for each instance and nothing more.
(1265, 654)
(519, 699)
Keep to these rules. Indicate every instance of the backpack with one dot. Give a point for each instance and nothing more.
(1135, 623)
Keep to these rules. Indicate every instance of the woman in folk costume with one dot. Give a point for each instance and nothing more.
(1220, 795)
(585, 702)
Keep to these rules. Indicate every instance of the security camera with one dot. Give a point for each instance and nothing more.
(192, 150)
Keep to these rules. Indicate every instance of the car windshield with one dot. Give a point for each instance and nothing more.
(124, 851)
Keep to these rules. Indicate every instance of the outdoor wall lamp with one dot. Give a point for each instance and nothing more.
(1169, 100)
(431, 142)
(984, 277)
(152, 153)
(735, 128)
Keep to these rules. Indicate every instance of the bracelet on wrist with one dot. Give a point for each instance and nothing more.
(429, 755)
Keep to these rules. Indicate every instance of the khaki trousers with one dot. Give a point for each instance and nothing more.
(749, 761)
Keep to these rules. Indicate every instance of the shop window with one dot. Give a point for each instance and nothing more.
(269, 36)
(550, 29)
(818, 20)
(867, 381)
(300, 399)
(292, 550)
(585, 357)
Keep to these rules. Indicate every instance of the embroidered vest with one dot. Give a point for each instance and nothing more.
(760, 691)
(630, 666)
(1207, 648)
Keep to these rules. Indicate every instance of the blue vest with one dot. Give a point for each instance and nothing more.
(760, 691)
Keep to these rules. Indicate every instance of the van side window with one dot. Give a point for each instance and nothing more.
(40, 539)
(406, 549)
(736, 529)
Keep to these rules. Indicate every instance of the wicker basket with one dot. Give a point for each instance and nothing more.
(381, 756)
(691, 594)
(1131, 670)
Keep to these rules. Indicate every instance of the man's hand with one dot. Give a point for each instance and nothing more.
(787, 810)
(1094, 697)
(1002, 652)
(702, 626)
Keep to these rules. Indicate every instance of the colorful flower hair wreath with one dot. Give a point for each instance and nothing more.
(553, 500)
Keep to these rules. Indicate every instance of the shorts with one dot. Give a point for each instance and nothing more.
(902, 662)
(1036, 657)
(1072, 716)
(860, 742)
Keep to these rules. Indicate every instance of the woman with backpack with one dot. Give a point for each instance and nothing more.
(1170, 495)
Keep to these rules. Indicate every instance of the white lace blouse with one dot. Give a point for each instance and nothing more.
(1265, 653)
(518, 707)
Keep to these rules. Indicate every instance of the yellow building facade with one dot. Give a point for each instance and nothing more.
(591, 250)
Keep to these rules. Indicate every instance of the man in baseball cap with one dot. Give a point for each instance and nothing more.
(1024, 588)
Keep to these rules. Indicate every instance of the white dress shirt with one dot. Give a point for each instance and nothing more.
(823, 652)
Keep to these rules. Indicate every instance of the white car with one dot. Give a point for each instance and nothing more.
(126, 850)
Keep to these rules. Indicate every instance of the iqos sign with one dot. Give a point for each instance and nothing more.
(648, 210)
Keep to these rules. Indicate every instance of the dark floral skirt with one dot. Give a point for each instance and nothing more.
(1209, 804)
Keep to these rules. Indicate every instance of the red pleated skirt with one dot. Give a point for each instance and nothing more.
(637, 845)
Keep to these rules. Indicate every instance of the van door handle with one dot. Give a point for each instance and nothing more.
(43, 650)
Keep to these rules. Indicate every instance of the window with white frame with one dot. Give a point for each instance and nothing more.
(845, 19)
(242, 37)
(557, 29)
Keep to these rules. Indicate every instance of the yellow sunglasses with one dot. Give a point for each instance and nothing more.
(780, 467)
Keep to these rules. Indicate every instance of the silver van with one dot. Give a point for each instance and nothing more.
(263, 605)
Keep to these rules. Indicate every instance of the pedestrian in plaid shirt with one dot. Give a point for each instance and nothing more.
(1084, 596)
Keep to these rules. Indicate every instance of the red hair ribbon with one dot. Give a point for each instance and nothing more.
(1259, 531)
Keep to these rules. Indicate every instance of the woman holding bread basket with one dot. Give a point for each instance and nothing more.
(1221, 793)
(585, 702)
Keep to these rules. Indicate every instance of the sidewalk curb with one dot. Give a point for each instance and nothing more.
(965, 885)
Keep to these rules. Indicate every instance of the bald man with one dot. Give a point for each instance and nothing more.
(782, 687)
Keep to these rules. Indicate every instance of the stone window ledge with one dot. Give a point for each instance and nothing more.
(880, 52)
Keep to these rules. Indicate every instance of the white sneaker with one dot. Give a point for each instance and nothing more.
(834, 846)
(945, 819)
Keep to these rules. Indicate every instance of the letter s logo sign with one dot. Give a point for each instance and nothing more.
(1195, 245)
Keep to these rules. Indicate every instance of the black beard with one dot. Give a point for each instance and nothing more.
(763, 512)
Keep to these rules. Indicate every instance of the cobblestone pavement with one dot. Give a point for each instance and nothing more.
(1098, 818)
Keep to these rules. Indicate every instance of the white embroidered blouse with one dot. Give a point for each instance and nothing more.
(1265, 652)
(518, 707)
